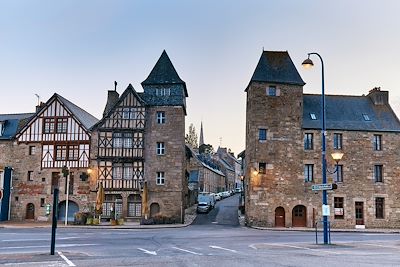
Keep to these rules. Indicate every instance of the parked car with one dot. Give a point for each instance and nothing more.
(238, 190)
(209, 199)
(218, 197)
(203, 207)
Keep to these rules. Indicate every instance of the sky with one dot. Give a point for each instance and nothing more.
(79, 48)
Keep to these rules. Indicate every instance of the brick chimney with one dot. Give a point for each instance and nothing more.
(40, 106)
(379, 97)
(112, 98)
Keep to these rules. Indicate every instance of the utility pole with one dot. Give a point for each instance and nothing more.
(54, 221)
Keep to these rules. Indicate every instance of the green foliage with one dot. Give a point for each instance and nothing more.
(206, 149)
(191, 137)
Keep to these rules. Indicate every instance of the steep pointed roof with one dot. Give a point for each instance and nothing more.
(276, 67)
(164, 73)
(201, 135)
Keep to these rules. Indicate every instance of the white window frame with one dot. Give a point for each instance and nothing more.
(309, 172)
(160, 148)
(160, 178)
(160, 117)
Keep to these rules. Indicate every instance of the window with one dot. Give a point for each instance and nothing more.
(30, 176)
(42, 202)
(160, 117)
(377, 142)
(262, 134)
(271, 91)
(160, 178)
(338, 175)
(1, 127)
(43, 179)
(309, 172)
(117, 140)
(127, 140)
(61, 152)
(128, 172)
(73, 152)
(339, 207)
(163, 91)
(337, 141)
(117, 172)
(160, 148)
(378, 173)
(379, 208)
(62, 125)
(49, 125)
(313, 116)
(32, 150)
(125, 113)
(308, 141)
(366, 117)
(262, 166)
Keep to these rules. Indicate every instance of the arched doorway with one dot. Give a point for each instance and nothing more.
(299, 216)
(30, 211)
(279, 217)
(72, 209)
(154, 209)
(134, 206)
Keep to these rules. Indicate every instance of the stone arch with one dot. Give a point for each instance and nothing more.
(280, 217)
(30, 211)
(72, 209)
(154, 209)
(299, 216)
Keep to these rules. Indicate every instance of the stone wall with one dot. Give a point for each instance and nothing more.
(169, 196)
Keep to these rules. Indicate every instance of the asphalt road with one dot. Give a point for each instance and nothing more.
(215, 239)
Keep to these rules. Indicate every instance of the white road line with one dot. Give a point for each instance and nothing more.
(148, 251)
(253, 246)
(188, 251)
(382, 246)
(43, 263)
(38, 239)
(70, 263)
(298, 247)
(58, 246)
(227, 249)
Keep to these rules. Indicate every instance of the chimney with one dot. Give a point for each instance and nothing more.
(379, 97)
(112, 98)
(40, 106)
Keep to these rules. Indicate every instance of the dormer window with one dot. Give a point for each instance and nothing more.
(366, 117)
(163, 91)
(1, 127)
(313, 116)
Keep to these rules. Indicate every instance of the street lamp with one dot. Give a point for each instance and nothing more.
(308, 64)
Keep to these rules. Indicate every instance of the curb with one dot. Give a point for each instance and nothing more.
(370, 231)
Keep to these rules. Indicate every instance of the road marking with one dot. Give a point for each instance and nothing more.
(296, 247)
(70, 263)
(214, 222)
(59, 246)
(188, 251)
(382, 246)
(227, 249)
(253, 246)
(38, 239)
(42, 263)
(148, 251)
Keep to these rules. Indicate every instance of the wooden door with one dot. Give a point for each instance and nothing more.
(279, 217)
(299, 216)
(359, 213)
(30, 211)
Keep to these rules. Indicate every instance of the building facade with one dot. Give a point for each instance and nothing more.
(57, 135)
(283, 153)
(141, 139)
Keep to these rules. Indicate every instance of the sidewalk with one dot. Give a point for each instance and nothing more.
(190, 216)
(306, 229)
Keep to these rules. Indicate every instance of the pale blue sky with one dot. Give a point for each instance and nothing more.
(78, 49)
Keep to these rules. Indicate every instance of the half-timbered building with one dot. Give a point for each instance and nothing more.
(141, 139)
(57, 135)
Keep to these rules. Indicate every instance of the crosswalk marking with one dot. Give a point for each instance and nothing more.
(188, 251)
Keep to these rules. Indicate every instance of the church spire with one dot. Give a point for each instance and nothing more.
(201, 142)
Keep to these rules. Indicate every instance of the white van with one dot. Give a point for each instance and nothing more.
(205, 197)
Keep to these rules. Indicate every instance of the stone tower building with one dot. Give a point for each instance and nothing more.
(283, 153)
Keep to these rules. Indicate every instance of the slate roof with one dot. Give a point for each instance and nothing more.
(87, 119)
(276, 67)
(164, 73)
(346, 113)
(13, 123)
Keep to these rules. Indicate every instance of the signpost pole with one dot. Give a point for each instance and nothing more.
(54, 221)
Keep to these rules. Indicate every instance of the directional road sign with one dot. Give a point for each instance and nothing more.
(319, 187)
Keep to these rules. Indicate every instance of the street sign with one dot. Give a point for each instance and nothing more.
(319, 187)
(326, 210)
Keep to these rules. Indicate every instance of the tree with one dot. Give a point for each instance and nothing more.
(191, 137)
(206, 149)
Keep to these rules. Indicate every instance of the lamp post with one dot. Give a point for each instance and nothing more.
(308, 64)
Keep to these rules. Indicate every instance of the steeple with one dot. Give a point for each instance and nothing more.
(201, 142)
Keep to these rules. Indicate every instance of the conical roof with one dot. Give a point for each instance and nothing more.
(276, 67)
(164, 73)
